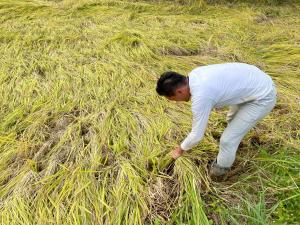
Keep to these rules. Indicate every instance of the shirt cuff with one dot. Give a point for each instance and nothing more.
(183, 147)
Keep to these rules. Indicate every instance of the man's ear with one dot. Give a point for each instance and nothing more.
(178, 90)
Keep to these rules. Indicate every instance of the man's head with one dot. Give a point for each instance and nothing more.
(173, 86)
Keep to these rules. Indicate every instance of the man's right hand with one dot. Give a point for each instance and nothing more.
(177, 152)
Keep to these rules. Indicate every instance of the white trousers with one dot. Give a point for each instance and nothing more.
(241, 118)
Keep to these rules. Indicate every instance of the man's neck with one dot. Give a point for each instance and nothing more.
(188, 86)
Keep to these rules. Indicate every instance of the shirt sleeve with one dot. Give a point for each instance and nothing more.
(201, 109)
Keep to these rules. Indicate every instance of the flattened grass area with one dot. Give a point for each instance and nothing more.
(84, 137)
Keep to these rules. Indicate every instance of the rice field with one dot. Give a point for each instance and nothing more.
(84, 138)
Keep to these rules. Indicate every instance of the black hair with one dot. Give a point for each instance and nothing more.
(169, 82)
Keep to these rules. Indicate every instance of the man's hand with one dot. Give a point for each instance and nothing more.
(177, 152)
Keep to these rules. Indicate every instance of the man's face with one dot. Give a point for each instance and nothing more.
(181, 94)
(176, 98)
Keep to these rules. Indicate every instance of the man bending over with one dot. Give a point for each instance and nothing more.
(250, 93)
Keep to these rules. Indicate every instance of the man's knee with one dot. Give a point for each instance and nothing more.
(231, 112)
(229, 118)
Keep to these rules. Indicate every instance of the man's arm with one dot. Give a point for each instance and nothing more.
(201, 109)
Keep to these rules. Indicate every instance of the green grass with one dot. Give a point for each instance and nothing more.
(84, 137)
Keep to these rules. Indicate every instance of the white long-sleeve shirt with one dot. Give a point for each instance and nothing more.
(218, 85)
